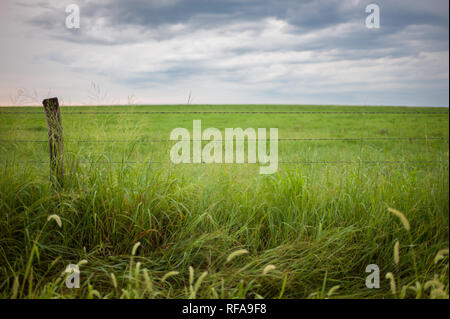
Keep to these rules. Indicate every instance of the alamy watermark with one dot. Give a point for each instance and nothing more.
(73, 19)
(373, 280)
(212, 152)
(373, 19)
(73, 280)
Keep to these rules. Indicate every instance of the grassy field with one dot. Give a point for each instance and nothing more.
(141, 227)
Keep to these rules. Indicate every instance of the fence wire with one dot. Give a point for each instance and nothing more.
(360, 162)
(232, 112)
(257, 163)
(249, 140)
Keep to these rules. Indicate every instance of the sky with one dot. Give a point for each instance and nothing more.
(225, 52)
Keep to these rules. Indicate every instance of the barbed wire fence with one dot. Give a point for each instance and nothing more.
(295, 139)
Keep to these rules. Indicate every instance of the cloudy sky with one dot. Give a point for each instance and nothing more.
(225, 52)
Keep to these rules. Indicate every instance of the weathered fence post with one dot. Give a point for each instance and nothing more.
(55, 138)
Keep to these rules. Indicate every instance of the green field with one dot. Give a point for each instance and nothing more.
(320, 220)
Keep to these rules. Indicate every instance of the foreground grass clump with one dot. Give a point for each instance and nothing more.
(141, 232)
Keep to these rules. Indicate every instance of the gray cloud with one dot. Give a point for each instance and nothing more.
(286, 49)
(152, 20)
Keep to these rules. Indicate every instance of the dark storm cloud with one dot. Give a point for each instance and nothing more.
(150, 17)
(307, 14)
(286, 46)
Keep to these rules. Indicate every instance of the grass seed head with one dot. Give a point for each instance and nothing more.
(200, 280)
(138, 267)
(332, 290)
(148, 281)
(135, 247)
(56, 218)
(236, 253)
(402, 218)
(440, 255)
(268, 269)
(397, 252)
(191, 275)
(169, 274)
(114, 280)
(391, 277)
(82, 262)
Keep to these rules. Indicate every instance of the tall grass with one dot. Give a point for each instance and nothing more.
(318, 228)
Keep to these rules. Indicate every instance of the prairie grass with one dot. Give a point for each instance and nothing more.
(142, 230)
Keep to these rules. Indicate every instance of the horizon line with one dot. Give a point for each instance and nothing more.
(231, 104)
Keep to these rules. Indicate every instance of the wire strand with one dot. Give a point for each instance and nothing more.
(232, 112)
(249, 140)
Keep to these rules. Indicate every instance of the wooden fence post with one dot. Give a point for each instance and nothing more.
(55, 138)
